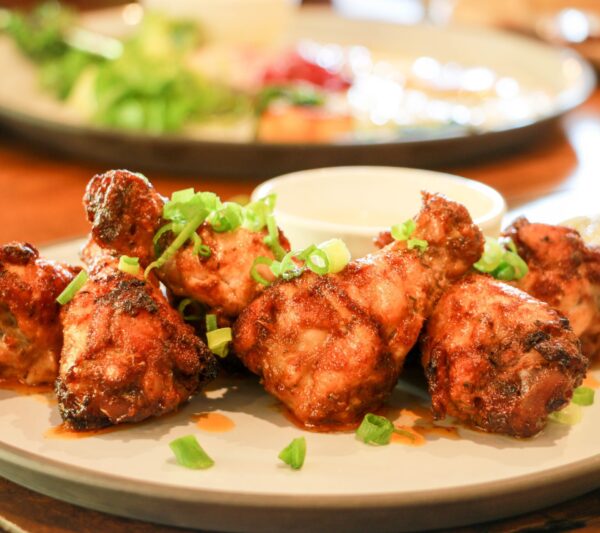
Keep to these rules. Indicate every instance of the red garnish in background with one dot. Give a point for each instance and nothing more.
(293, 67)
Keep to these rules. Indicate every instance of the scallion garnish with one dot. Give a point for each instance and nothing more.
(255, 274)
(401, 232)
(329, 257)
(187, 210)
(179, 241)
(404, 231)
(71, 289)
(227, 218)
(374, 429)
(211, 322)
(129, 265)
(419, 244)
(583, 396)
(294, 453)
(501, 260)
(189, 453)
(272, 239)
(183, 306)
(218, 341)
(570, 415)
(337, 253)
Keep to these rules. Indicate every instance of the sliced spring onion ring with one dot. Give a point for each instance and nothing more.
(272, 239)
(183, 236)
(317, 261)
(129, 265)
(182, 307)
(189, 453)
(254, 273)
(218, 341)
(419, 244)
(211, 322)
(501, 260)
(583, 396)
(228, 218)
(374, 429)
(294, 453)
(337, 254)
(570, 415)
(71, 289)
(401, 232)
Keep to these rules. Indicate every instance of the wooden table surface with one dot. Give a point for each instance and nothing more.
(40, 202)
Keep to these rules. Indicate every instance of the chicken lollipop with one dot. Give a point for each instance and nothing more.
(127, 354)
(331, 347)
(565, 273)
(498, 359)
(212, 265)
(30, 330)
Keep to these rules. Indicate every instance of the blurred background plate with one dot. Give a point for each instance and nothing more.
(562, 79)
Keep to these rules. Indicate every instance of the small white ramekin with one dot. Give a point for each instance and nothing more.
(356, 203)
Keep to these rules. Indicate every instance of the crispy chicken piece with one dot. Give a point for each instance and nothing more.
(498, 359)
(565, 273)
(331, 347)
(127, 354)
(30, 330)
(126, 212)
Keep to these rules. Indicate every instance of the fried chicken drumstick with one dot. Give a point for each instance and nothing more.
(30, 330)
(498, 359)
(565, 273)
(331, 347)
(126, 212)
(127, 354)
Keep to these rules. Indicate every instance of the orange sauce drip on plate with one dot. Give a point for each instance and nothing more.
(65, 431)
(23, 388)
(591, 381)
(213, 422)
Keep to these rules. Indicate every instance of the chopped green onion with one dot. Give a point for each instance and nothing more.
(401, 232)
(419, 244)
(211, 322)
(256, 213)
(129, 265)
(294, 453)
(218, 341)
(71, 289)
(317, 261)
(228, 218)
(583, 396)
(189, 453)
(337, 253)
(501, 260)
(256, 276)
(167, 227)
(570, 415)
(182, 307)
(272, 239)
(183, 196)
(179, 241)
(376, 430)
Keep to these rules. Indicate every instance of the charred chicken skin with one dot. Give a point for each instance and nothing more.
(127, 354)
(331, 347)
(126, 212)
(30, 330)
(565, 273)
(498, 359)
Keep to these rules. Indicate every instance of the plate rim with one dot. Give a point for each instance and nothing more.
(576, 96)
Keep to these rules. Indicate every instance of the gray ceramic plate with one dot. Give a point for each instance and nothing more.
(561, 78)
(451, 478)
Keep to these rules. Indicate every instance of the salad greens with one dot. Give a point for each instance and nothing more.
(142, 83)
